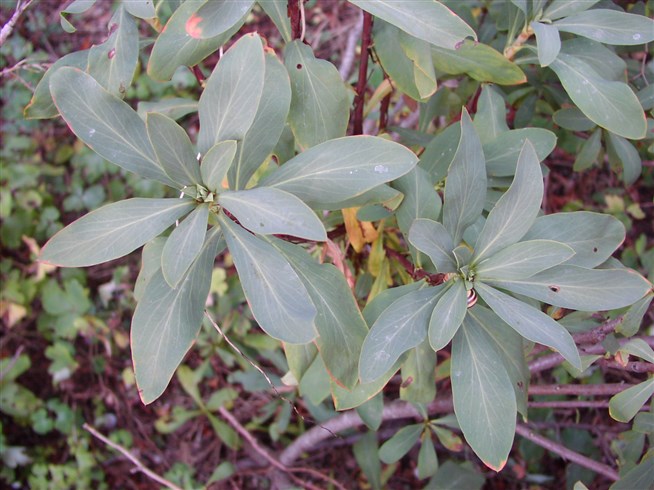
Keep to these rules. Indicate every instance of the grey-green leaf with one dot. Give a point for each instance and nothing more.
(430, 21)
(523, 259)
(589, 151)
(626, 404)
(266, 130)
(113, 231)
(216, 163)
(340, 325)
(400, 444)
(268, 211)
(341, 169)
(609, 27)
(232, 93)
(184, 245)
(143, 9)
(465, 190)
(563, 8)
(173, 149)
(611, 105)
(175, 47)
(447, 316)
(623, 153)
(483, 397)
(400, 327)
(516, 210)
(593, 236)
(217, 17)
(278, 13)
(573, 119)
(278, 299)
(577, 288)
(490, 119)
(113, 62)
(150, 263)
(531, 323)
(320, 106)
(41, 105)
(431, 238)
(548, 41)
(175, 107)
(167, 321)
(502, 153)
(105, 123)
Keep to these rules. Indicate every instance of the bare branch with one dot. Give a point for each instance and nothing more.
(140, 466)
(9, 26)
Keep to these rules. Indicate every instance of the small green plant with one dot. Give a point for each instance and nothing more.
(274, 166)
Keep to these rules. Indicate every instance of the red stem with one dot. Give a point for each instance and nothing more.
(357, 118)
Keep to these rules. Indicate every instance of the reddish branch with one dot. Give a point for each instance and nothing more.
(357, 118)
(293, 12)
(383, 111)
(415, 273)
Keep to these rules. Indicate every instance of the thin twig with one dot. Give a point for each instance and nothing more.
(570, 404)
(266, 455)
(566, 453)
(580, 390)
(9, 26)
(359, 100)
(140, 466)
(349, 53)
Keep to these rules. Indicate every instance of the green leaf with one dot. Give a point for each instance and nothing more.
(366, 452)
(516, 210)
(401, 443)
(173, 149)
(640, 348)
(611, 105)
(400, 327)
(75, 7)
(531, 323)
(418, 375)
(105, 123)
(394, 59)
(644, 423)
(278, 13)
(626, 404)
(150, 263)
(593, 236)
(175, 108)
(217, 17)
(314, 385)
(268, 211)
(609, 27)
(502, 153)
(465, 190)
(431, 238)
(490, 119)
(480, 62)
(174, 47)
(184, 245)
(640, 476)
(143, 9)
(167, 321)
(548, 42)
(440, 152)
(299, 358)
(372, 413)
(262, 137)
(216, 163)
(589, 152)
(562, 8)
(509, 345)
(623, 153)
(341, 169)
(383, 300)
(420, 200)
(278, 299)
(523, 259)
(577, 288)
(112, 231)
(320, 106)
(431, 21)
(340, 325)
(232, 93)
(452, 475)
(362, 392)
(41, 105)
(448, 315)
(483, 397)
(633, 318)
(427, 459)
(418, 51)
(645, 96)
(573, 119)
(113, 62)
(603, 60)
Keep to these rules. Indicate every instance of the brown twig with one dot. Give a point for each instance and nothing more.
(359, 100)
(566, 453)
(580, 390)
(570, 404)
(293, 12)
(139, 466)
(7, 29)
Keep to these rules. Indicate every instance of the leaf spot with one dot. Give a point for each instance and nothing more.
(381, 169)
(111, 53)
(636, 37)
(407, 382)
(298, 66)
(192, 28)
(555, 289)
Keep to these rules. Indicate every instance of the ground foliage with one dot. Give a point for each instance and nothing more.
(66, 359)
